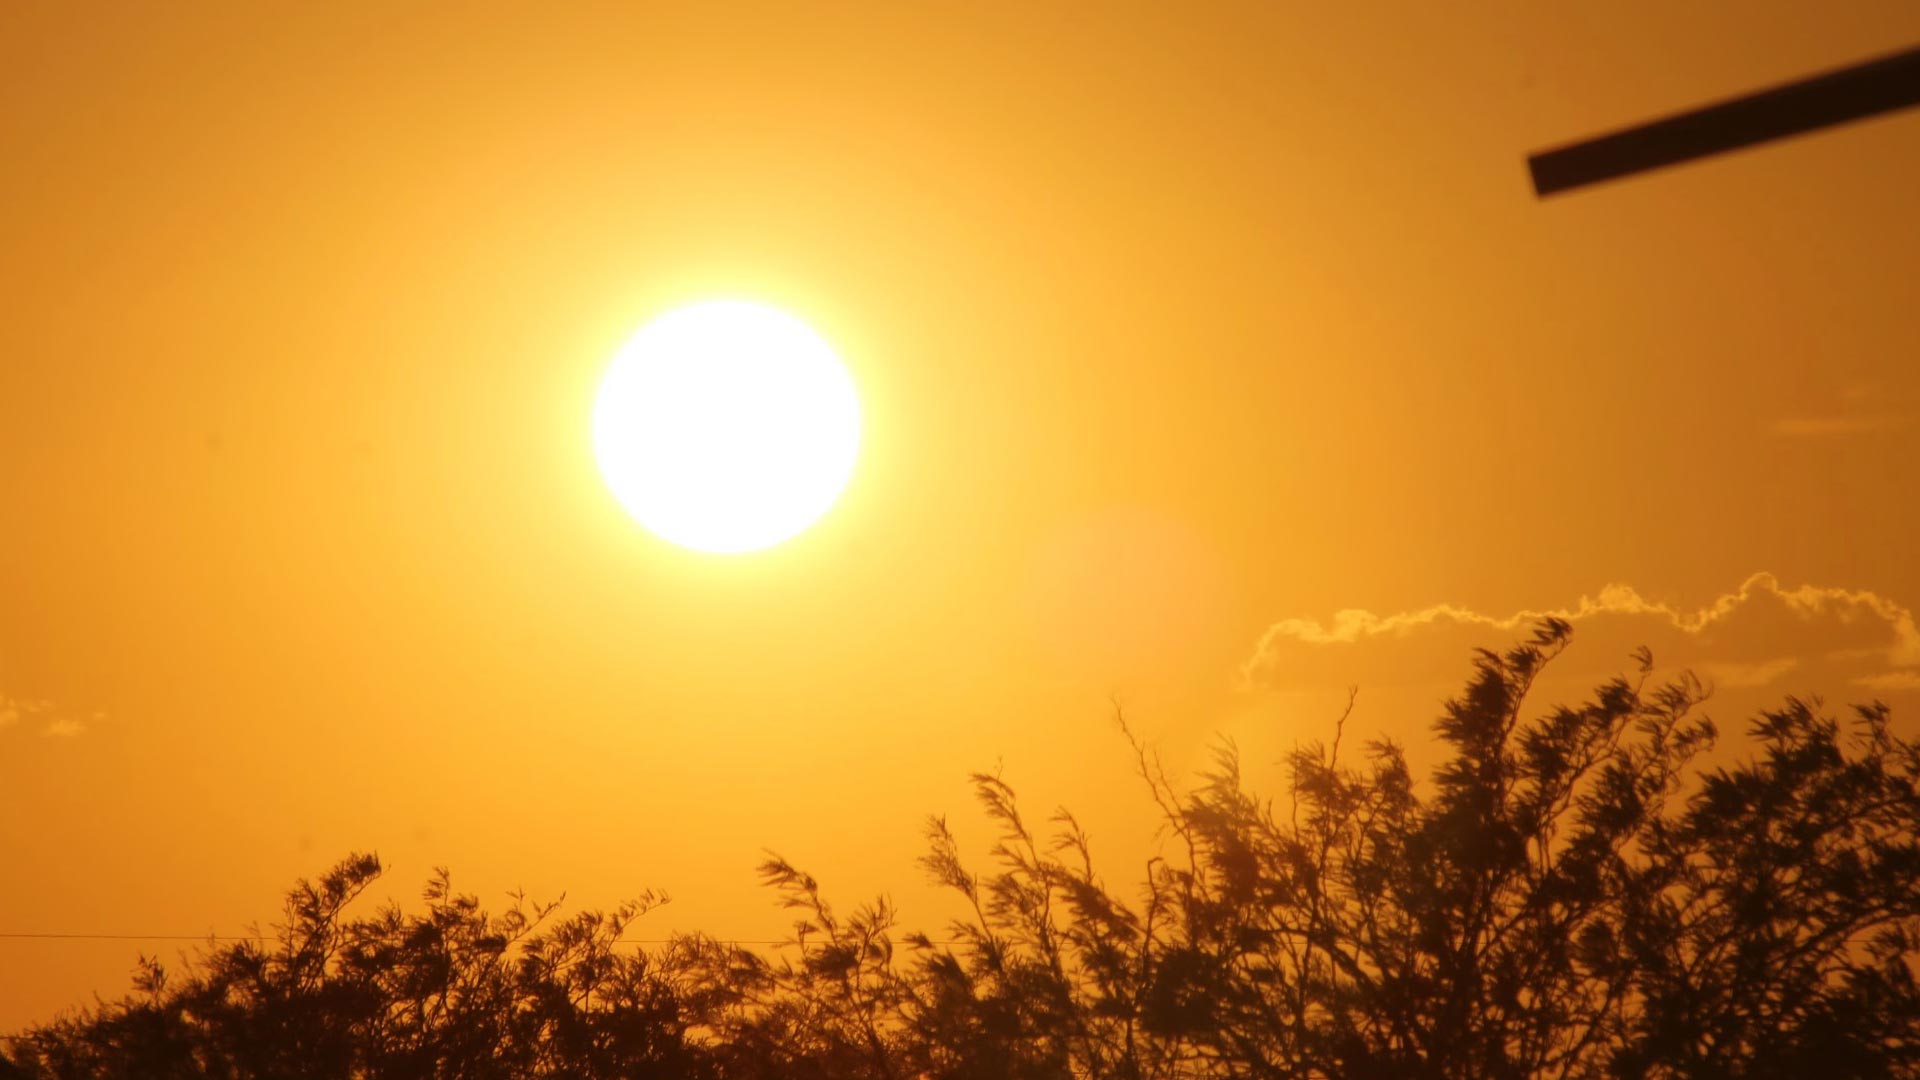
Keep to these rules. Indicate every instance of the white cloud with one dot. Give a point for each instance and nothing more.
(64, 727)
(1754, 636)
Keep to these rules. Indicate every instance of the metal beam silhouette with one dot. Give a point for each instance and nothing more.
(1836, 97)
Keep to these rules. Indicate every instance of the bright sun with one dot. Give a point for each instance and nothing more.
(726, 426)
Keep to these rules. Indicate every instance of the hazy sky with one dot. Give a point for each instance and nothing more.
(1179, 330)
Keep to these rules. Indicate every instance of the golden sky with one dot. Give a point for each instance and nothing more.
(1179, 330)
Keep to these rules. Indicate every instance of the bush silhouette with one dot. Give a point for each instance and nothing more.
(1572, 893)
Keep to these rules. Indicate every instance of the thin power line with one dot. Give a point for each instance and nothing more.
(137, 937)
(32, 936)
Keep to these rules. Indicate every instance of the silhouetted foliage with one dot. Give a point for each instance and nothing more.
(451, 992)
(1571, 894)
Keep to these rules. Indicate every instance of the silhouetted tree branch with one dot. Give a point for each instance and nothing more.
(1569, 894)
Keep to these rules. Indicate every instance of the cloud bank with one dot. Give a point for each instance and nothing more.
(1761, 635)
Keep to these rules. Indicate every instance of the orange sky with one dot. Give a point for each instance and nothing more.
(1178, 331)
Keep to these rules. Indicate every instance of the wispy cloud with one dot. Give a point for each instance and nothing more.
(1890, 680)
(1818, 427)
(52, 723)
(1740, 676)
(1750, 637)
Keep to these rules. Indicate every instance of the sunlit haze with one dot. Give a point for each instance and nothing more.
(587, 446)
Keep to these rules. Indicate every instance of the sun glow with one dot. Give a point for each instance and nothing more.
(726, 426)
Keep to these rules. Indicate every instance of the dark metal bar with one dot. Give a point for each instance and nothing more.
(1851, 93)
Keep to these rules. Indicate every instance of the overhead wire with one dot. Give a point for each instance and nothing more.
(56, 936)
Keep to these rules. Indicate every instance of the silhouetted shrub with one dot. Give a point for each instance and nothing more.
(450, 992)
(1569, 895)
